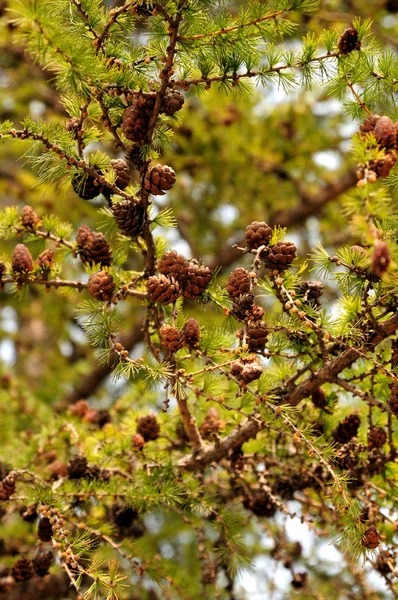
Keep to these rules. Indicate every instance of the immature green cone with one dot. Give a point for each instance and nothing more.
(22, 570)
(29, 217)
(191, 331)
(7, 487)
(136, 118)
(172, 264)
(172, 102)
(347, 429)
(101, 286)
(42, 563)
(93, 247)
(130, 217)
(44, 530)
(280, 256)
(194, 279)
(22, 261)
(349, 41)
(122, 172)
(86, 186)
(77, 467)
(377, 437)
(172, 338)
(159, 179)
(162, 289)
(381, 259)
(239, 283)
(45, 260)
(371, 538)
(257, 234)
(148, 427)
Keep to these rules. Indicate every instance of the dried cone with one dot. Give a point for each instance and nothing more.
(29, 217)
(22, 570)
(256, 336)
(22, 261)
(93, 247)
(195, 279)
(172, 264)
(172, 103)
(137, 441)
(369, 124)
(136, 119)
(172, 338)
(258, 234)
(393, 401)
(7, 487)
(371, 538)
(349, 41)
(280, 256)
(260, 503)
(86, 186)
(191, 331)
(122, 172)
(45, 260)
(77, 467)
(79, 409)
(130, 217)
(162, 289)
(239, 282)
(311, 290)
(242, 307)
(101, 286)
(381, 259)
(159, 179)
(319, 399)
(212, 424)
(42, 563)
(148, 427)
(347, 429)
(385, 132)
(377, 437)
(122, 515)
(246, 372)
(299, 580)
(383, 166)
(44, 530)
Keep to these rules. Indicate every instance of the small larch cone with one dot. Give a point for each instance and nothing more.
(239, 283)
(122, 172)
(377, 437)
(7, 487)
(137, 441)
(172, 338)
(256, 336)
(79, 409)
(130, 217)
(257, 234)
(101, 286)
(393, 401)
(311, 290)
(136, 118)
(77, 467)
(347, 429)
(44, 530)
(319, 399)
(246, 372)
(72, 126)
(280, 256)
(194, 279)
(42, 563)
(371, 538)
(172, 264)
(369, 124)
(22, 570)
(212, 424)
(22, 261)
(162, 289)
(148, 427)
(29, 217)
(381, 259)
(242, 306)
(93, 247)
(385, 132)
(260, 503)
(191, 331)
(45, 260)
(159, 179)
(349, 41)
(383, 166)
(86, 187)
(172, 102)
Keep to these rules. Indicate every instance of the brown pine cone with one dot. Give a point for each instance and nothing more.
(29, 217)
(86, 186)
(122, 172)
(191, 331)
(58, 469)
(258, 234)
(371, 538)
(242, 306)
(208, 574)
(101, 286)
(148, 427)
(42, 563)
(347, 429)
(72, 126)
(319, 399)
(347, 456)
(28, 513)
(377, 437)
(381, 259)
(393, 401)
(22, 261)
(137, 441)
(260, 503)
(311, 291)
(22, 570)
(369, 124)
(212, 424)
(256, 336)
(7, 487)
(79, 409)
(385, 561)
(349, 41)
(77, 467)
(280, 256)
(383, 166)
(194, 279)
(238, 283)
(159, 179)
(172, 103)
(45, 260)
(122, 515)
(162, 289)
(136, 118)
(246, 371)
(385, 132)
(130, 217)
(172, 264)
(93, 247)
(44, 530)
(299, 580)
(172, 338)
(94, 472)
